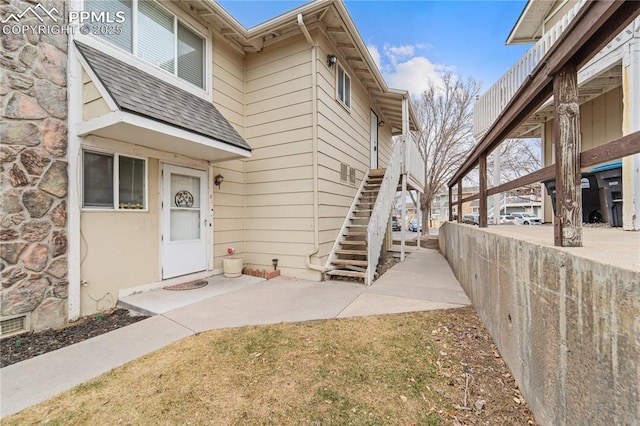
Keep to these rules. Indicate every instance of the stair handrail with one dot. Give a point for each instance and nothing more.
(381, 211)
(345, 224)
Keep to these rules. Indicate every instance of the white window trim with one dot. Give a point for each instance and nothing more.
(132, 59)
(346, 74)
(116, 182)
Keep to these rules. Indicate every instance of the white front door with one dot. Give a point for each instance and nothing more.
(184, 221)
(374, 140)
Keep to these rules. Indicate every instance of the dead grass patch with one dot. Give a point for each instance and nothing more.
(393, 369)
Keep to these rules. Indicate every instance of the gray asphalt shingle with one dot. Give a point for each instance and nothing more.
(140, 93)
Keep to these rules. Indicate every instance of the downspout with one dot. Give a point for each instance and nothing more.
(314, 148)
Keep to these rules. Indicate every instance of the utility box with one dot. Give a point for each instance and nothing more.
(590, 197)
(610, 180)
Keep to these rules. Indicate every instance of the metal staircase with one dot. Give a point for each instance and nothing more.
(357, 249)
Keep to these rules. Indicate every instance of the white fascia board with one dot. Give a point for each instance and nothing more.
(93, 126)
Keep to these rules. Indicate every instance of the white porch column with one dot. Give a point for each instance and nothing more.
(496, 181)
(630, 124)
(405, 132)
(74, 157)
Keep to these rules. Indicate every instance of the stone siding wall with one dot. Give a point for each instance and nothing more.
(566, 326)
(33, 233)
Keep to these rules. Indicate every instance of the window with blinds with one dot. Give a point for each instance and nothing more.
(160, 37)
(156, 37)
(123, 39)
(190, 56)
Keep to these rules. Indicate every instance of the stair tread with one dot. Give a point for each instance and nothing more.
(353, 243)
(343, 273)
(355, 252)
(349, 262)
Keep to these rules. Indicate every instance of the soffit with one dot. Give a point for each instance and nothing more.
(528, 28)
(333, 19)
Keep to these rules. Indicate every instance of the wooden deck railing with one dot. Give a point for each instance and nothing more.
(414, 164)
(491, 103)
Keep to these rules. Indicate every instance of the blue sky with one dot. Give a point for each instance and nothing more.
(414, 41)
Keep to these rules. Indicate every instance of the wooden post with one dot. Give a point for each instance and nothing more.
(460, 200)
(568, 217)
(482, 164)
(450, 203)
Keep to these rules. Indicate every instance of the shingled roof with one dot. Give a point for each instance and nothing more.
(140, 93)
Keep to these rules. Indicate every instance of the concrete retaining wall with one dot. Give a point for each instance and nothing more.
(567, 327)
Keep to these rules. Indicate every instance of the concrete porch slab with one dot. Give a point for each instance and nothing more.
(282, 299)
(159, 301)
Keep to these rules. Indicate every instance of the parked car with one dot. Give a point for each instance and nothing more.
(526, 219)
(507, 219)
(414, 226)
(472, 219)
(395, 224)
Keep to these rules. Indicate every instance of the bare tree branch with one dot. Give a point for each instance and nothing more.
(445, 133)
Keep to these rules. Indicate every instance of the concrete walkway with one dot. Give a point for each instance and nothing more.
(423, 282)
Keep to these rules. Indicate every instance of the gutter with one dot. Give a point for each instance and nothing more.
(314, 132)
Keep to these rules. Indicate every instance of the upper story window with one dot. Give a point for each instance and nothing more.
(343, 87)
(157, 36)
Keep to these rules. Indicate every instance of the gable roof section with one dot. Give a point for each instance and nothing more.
(137, 92)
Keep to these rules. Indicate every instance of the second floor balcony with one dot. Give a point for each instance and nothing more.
(598, 76)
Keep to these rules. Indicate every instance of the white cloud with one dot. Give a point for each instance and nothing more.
(404, 67)
(414, 74)
(375, 54)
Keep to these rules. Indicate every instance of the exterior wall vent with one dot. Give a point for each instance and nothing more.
(14, 324)
(352, 176)
(344, 172)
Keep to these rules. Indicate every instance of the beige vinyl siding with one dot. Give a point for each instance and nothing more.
(228, 210)
(385, 143)
(228, 84)
(93, 105)
(229, 200)
(343, 137)
(279, 174)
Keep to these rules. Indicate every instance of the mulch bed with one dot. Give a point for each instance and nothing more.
(20, 347)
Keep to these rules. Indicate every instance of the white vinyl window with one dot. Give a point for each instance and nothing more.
(113, 181)
(343, 87)
(155, 35)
